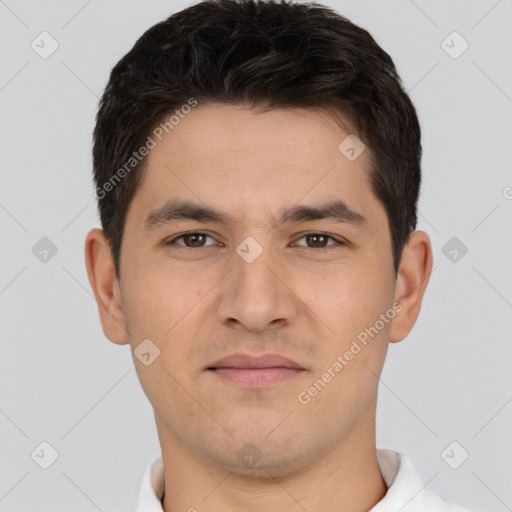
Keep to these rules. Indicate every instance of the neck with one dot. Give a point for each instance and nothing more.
(349, 476)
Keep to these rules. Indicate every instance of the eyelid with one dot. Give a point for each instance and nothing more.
(338, 240)
(181, 235)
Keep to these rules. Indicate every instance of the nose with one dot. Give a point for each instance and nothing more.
(256, 295)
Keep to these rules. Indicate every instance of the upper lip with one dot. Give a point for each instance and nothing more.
(247, 361)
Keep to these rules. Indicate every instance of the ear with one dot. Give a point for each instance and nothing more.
(411, 282)
(101, 272)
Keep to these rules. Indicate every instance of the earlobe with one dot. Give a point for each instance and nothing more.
(411, 282)
(100, 270)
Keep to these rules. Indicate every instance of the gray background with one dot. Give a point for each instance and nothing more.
(63, 382)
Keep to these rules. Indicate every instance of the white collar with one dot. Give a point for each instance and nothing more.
(406, 491)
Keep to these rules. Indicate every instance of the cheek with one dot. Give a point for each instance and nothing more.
(350, 303)
(159, 300)
(172, 309)
(349, 296)
(161, 307)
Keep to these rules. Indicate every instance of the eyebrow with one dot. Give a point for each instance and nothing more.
(180, 209)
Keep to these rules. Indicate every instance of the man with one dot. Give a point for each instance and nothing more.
(257, 169)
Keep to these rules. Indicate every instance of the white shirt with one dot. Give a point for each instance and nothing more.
(405, 488)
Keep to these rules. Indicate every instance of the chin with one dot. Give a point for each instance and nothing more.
(259, 461)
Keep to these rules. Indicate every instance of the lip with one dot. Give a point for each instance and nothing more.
(247, 361)
(263, 371)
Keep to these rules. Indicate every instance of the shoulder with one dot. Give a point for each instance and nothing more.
(406, 490)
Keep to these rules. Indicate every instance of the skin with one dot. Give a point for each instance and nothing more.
(298, 299)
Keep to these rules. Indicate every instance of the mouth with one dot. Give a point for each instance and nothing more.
(255, 372)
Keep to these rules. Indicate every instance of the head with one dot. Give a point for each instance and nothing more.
(282, 136)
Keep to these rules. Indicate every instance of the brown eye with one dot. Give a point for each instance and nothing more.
(191, 240)
(319, 241)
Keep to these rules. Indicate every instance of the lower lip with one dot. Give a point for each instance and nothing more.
(256, 377)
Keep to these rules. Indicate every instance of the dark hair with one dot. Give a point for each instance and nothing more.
(261, 54)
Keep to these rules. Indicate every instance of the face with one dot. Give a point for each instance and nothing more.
(265, 273)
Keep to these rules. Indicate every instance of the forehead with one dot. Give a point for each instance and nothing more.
(218, 128)
(249, 162)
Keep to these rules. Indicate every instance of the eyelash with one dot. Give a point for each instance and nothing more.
(338, 241)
